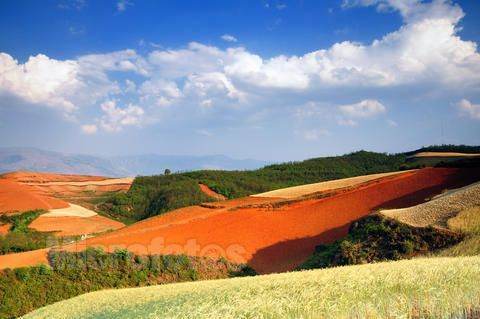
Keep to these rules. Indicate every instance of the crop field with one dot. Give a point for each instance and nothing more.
(438, 210)
(468, 223)
(302, 190)
(427, 287)
(445, 154)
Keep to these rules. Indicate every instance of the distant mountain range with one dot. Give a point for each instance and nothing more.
(32, 159)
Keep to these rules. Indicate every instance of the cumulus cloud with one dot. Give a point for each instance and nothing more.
(362, 109)
(162, 92)
(89, 129)
(122, 61)
(469, 109)
(41, 80)
(229, 38)
(351, 113)
(115, 118)
(425, 53)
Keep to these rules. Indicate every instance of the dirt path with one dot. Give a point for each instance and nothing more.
(209, 192)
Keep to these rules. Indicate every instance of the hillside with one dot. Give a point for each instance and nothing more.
(431, 287)
(70, 274)
(270, 234)
(153, 195)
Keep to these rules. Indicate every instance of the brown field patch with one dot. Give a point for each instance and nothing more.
(73, 226)
(16, 197)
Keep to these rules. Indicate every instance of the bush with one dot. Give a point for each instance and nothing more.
(376, 238)
(25, 289)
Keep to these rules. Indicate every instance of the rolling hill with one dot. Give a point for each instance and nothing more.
(430, 288)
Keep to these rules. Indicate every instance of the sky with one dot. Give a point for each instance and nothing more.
(269, 80)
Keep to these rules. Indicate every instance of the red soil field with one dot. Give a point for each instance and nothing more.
(78, 188)
(267, 238)
(37, 177)
(72, 226)
(26, 259)
(21, 191)
(16, 197)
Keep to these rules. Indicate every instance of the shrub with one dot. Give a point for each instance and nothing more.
(376, 238)
(25, 289)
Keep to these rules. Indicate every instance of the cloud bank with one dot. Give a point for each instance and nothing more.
(424, 52)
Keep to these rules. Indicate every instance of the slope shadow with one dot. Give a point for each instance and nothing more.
(286, 255)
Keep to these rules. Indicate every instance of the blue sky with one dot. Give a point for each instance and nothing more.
(272, 80)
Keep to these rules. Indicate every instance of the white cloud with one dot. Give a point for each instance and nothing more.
(123, 61)
(229, 38)
(425, 53)
(313, 134)
(214, 85)
(281, 6)
(130, 86)
(122, 5)
(162, 92)
(362, 109)
(89, 129)
(115, 118)
(195, 59)
(413, 10)
(469, 109)
(41, 80)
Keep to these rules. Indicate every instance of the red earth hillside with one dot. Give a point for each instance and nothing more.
(269, 236)
(16, 197)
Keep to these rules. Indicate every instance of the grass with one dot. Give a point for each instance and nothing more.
(25, 289)
(418, 288)
(466, 222)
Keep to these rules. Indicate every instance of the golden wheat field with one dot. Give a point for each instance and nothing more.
(303, 190)
(437, 211)
(427, 287)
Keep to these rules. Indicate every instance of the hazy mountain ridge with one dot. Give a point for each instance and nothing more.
(32, 159)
